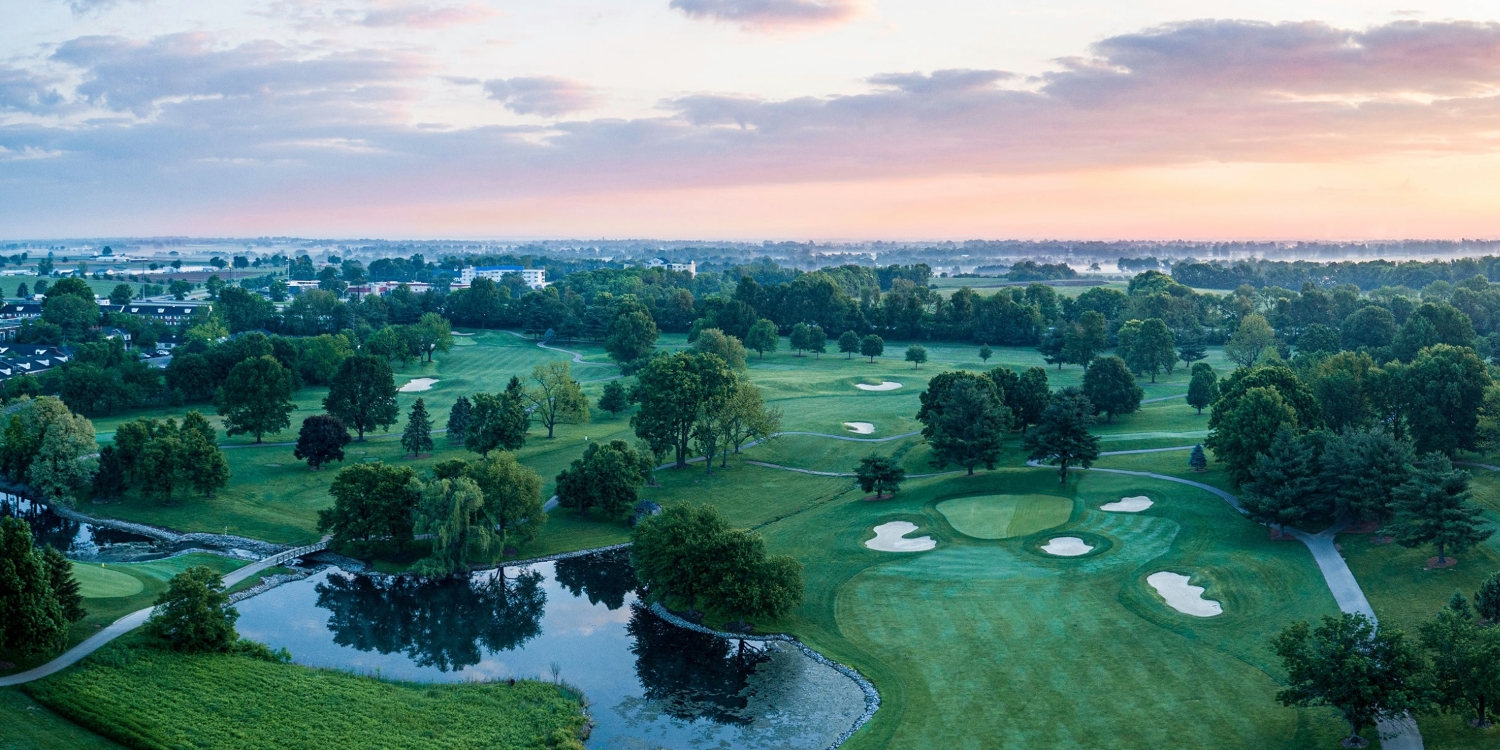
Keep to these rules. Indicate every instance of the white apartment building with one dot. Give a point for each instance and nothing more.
(536, 278)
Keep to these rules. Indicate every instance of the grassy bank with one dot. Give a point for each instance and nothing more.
(147, 697)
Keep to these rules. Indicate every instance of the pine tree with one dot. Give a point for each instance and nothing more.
(1190, 348)
(418, 435)
(64, 586)
(1062, 437)
(31, 620)
(1197, 461)
(1285, 487)
(459, 418)
(1465, 660)
(1487, 599)
(880, 474)
(1435, 509)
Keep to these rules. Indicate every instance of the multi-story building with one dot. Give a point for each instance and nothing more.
(536, 278)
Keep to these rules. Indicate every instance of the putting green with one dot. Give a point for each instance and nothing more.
(1005, 516)
(95, 582)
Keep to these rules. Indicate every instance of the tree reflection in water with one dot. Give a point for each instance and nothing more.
(605, 578)
(691, 675)
(438, 622)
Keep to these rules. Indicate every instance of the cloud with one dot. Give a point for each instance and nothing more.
(545, 96)
(83, 7)
(416, 15)
(23, 91)
(130, 76)
(771, 13)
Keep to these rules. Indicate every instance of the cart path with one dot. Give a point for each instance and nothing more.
(138, 618)
(577, 358)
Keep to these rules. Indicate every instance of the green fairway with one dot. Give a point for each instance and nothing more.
(1005, 516)
(99, 582)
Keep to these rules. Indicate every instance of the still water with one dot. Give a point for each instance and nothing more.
(649, 684)
(80, 541)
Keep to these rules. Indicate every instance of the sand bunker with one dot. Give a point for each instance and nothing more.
(885, 385)
(1128, 505)
(888, 538)
(859, 428)
(1182, 597)
(418, 384)
(1067, 546)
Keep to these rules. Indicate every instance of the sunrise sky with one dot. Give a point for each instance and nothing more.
(750, 119)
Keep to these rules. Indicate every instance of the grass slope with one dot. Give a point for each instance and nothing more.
(154, 698)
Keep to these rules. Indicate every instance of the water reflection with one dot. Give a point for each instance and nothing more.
(690, 675)
(650, 684)
(437, 622)
(74, 539)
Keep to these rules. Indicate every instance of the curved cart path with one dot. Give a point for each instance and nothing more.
(577, 358)
(138, 618)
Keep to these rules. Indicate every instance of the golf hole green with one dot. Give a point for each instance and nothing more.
(1005, 516)
(95, 582)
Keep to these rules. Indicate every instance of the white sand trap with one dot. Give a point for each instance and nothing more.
(888, 538)
(1067, 546)
(885, 385)
(859, 428)
(1128, 505)
(418, 384)
(1184, 598)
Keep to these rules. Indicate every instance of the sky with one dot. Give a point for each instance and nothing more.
(751, 119)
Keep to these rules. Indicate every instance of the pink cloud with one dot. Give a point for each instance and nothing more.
(773, 14)
(546, 96)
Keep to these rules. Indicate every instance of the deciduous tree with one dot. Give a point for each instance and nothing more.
(32, 621)
(371, 502)
(1203, 387)
(879, 474)
(1246, 428)
(363, 394)
(256, 397)
(614, 399)
(555, 397)
(1465, 658)
(1112, 389)
(321, 440)
(849, 344)
(1250, 341)
(194, 615)
(965, 420)
(872, 346)
(608, 478)
(762, 337)
(916, 354)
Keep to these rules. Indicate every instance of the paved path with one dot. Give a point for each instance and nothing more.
(577, 358)
(138, 618)
(1162, 398)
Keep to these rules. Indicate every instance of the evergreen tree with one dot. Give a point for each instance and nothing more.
(1465, 658)
(1366, 467)
(363, 394)
(849, 344)
(194, 614)
(1111, 387)
(1190, 349)
(1196, 460)
(1203, 387)
(614, 399)
(459, 417)
(1062, 437)
(64, 585)
(879, 474)
(1286, 486)
(32, 621)
(256, 397)
(109, 481)
(965, 420)
(417, 437)
(1085, 339)
(985, 352)
(1348, 663)
(321, 440)
(1487, 599)
(1434, 508)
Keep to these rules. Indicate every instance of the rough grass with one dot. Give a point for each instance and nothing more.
(26, 725)
(1005, 516)
(154, 698)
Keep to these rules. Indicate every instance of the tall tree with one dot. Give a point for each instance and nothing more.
(1153, 348)
(1444, 390)
(1054, 346)
(454, 513)
(671, 391)
(256, 397)
(500, 421)
(512, 496)
(202, 464)
(109, 482)
(879, 474)
(1085, 339)
(1190, 349)
(1366, 467)
(1365, 672)
(608, 478)
(363, 394)
(64, 443)
(799, 338)
(1111, 387)
(371, 502)
(1465, 658)
(1028, 397)
(762, 337)
(433, 334)
(1203, 387)
(555, 397)
(1248, 429)
(321, 440)
(674, 553)
(817, 341)
(194, 615)
(849, 344)
(1062, 437)
(417, 437)
(1487, 599)
(64, 585)
(748, 584)
(1434, 508)
(633, 333)
(729, 348)
(32, 620)
(1250, 341)
(745, 417)
(965, 420)
(1285, 487)
(872, 346)
(614, 399)
(459, 418)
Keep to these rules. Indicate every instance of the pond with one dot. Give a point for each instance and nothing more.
(649, 684)
(80, 541)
